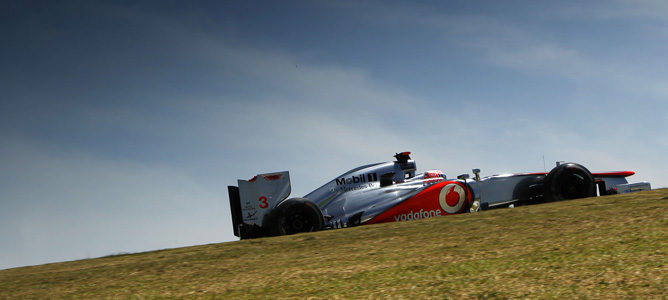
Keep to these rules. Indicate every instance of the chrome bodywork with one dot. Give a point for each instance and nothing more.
(359, 193)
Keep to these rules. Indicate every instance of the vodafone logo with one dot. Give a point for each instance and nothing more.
(452, 198)
(416, 215)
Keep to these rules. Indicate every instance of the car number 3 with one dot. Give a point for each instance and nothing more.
(263, 202)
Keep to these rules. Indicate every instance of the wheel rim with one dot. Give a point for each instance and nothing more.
(296, 215)
(574, 186)
(298, 222)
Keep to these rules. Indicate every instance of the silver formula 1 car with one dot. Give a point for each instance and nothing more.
(393, 192)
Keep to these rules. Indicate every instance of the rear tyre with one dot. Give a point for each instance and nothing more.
(569, 181)
(297, 215)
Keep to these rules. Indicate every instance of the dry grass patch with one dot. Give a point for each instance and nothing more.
(606, 247)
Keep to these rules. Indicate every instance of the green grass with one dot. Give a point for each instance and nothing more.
(606, 247)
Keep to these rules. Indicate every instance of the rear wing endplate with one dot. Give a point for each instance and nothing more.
(253, 199)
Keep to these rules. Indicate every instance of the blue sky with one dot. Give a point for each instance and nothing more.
(123, 122)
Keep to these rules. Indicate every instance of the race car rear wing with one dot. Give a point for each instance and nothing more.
(253, 199)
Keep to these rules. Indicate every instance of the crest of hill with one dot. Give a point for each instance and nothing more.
(605, 247)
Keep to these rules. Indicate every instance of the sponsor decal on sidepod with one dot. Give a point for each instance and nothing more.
(451, 198)
(416, 215)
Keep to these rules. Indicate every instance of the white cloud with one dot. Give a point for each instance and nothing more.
(316, 113)
(62, 204)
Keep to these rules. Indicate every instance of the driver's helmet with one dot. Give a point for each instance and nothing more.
(434, 174)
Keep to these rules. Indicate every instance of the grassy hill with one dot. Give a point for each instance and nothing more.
(607, 247)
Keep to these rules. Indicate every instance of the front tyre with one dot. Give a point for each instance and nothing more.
(297, 215)
(569, 181)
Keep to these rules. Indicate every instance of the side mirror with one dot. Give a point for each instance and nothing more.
(477, 174)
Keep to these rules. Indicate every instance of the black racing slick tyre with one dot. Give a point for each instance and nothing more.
(297, 215)
(569, 181)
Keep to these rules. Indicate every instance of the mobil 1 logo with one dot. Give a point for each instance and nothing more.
(363, 178)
